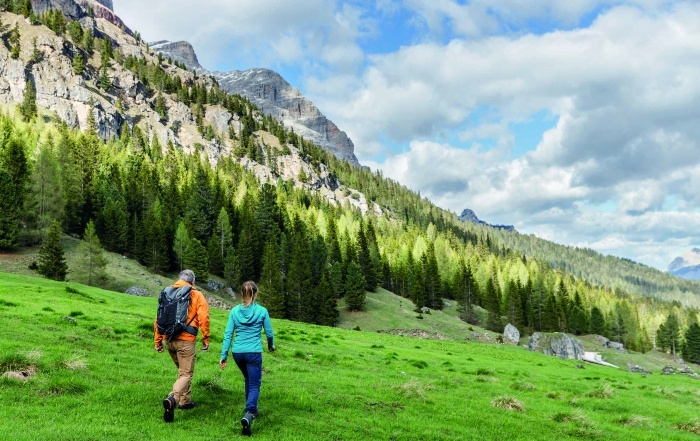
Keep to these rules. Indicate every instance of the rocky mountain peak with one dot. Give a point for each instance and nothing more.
(687, 265)
(469, 216)
(180, 51)
(275, 97)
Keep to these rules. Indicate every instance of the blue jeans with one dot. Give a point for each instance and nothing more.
(250, 364)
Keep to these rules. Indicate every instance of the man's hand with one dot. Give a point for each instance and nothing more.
(222, 364)
(205, 346)
(271, 349)
(159, 348)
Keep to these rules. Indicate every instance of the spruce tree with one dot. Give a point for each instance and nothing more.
(232, 269)
(466, 291)
(492, 300)
(355, 287)
(668, 335)
(52, 262)
(91, 263)
(692, 344)
(14, 175)
(271, 283)
(15, 42)
(327, 304)
(197, 259)
(28, 106)
(598, 325)
(301, 302)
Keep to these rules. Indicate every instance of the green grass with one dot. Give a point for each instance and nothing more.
(95, 376)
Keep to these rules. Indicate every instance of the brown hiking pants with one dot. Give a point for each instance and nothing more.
(183, 354)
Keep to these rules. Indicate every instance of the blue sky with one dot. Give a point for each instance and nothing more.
(573, 120)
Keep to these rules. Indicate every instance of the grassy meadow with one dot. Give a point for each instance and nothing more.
(95, 376)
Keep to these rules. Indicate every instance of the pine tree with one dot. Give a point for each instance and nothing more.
(52, 262)
(355, 287)
(91, 264)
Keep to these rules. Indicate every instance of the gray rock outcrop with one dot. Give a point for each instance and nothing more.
(137, 291)
(274, 96)
(511, 334)
(469, 216)
(180, 51)
(558, 344)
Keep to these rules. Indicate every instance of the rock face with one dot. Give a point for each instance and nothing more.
(180, 51)
(557, 344)
(274, 96)
(469, 216)
(687, 265)
(78, 9)
(511, 334)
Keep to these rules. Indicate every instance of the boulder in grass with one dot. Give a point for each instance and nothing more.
(511, 334)
(558, 344)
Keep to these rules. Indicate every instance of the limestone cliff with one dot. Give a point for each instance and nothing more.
(78, 9)
(180, 51)
(274, 96)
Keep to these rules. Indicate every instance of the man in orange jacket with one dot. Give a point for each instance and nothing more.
(181, 347)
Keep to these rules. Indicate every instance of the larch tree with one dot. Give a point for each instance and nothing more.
(91, 264)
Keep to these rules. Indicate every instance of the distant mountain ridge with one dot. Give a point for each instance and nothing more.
(274, 96)
(687, 265)
(469, 216)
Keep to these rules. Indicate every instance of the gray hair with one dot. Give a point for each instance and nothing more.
(187, 275)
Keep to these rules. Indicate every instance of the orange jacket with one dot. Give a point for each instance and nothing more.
(199, 308)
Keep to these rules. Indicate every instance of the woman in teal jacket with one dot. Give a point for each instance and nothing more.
(246, 321)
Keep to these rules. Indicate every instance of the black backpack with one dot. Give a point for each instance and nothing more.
(173, 304)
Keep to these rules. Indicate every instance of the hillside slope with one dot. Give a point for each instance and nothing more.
(94, 375)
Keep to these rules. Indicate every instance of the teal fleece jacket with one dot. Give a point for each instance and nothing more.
(247, 324)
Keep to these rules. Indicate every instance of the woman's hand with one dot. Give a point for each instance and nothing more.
(222, 364)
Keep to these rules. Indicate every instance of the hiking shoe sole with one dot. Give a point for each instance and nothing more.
(246, 427)
(169, 406)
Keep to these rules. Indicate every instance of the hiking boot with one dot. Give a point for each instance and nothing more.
(247, 423)
(187, 406)
(169, 406)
